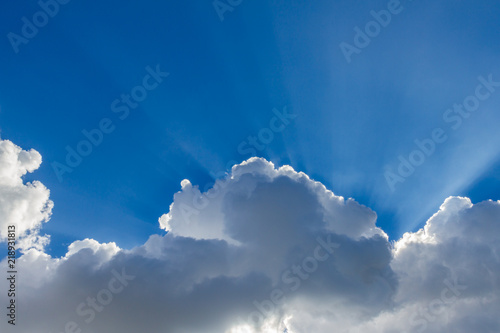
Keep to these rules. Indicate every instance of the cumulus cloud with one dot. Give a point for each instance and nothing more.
(278, 191)
(26, 206)
(268, 249)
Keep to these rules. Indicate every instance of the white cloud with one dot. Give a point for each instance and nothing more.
(26, 206)
(267, 239)
(203, 215)
(448, 272)
(104, 251)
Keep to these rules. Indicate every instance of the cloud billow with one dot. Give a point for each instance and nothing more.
(269, 248)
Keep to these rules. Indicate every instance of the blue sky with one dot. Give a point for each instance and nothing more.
(225, 78)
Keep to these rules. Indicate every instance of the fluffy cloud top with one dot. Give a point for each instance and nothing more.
(288, 198)
(26, 206)
(268, 249)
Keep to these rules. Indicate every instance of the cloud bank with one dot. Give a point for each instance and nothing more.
(265, 250)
